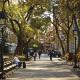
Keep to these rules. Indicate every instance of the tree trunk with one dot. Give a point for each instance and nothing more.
(63, 51)
(19, 48)
(26, 51)
(67, 41)
(78, 32)
(78, 41)
(56, 28)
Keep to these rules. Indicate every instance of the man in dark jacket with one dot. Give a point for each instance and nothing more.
(50, 55)
(39, 53)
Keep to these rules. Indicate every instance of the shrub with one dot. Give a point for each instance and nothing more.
(22, 58)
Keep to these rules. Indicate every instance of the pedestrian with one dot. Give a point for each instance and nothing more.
(39, 53)
(50, 55)
(31, 53)
(35, 55)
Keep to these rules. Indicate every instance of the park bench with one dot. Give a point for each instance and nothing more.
(9, 66)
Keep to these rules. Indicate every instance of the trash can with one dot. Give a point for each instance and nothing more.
(24, 65)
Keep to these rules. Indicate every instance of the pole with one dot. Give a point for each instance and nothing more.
(75, 58)
(1, 54)
(2, 63)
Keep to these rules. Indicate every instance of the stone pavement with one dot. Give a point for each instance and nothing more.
(45, 70)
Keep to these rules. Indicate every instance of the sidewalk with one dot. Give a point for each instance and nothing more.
(45, 70)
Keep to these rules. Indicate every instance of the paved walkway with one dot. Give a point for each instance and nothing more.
(45, 70)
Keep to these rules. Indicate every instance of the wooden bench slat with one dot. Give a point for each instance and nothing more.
(13, 65)
(8, 65)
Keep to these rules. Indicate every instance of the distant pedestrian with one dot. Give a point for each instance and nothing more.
(31, 53)
(35, 55)
(50, 55)
(39, 54)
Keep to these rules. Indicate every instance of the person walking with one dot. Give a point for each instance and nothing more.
(35, 55)
(50, 55)
(39, 53)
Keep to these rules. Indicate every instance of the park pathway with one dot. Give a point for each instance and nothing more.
(45, 70)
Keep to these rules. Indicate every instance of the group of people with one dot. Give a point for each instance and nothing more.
(32, 53)
(53, 53)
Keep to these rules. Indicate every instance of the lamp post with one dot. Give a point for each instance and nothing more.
(2, 41)
(75, 38)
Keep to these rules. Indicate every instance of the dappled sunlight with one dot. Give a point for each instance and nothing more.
(39, 75)
(44, 70)
(40, 39)
(43, 73)
(42, 79)
(37, 79)
(31, 68)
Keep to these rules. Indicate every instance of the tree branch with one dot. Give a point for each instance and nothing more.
(14, 30)
(27, 17)
(17, 22)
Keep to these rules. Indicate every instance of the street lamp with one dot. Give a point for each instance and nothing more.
(2, 40)
(75, 30)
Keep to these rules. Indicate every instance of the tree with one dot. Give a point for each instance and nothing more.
(18, 21)
(18, 16)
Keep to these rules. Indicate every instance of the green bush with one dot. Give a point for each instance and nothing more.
(22, 58)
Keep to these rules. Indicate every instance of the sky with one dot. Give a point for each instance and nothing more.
(14, 1)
